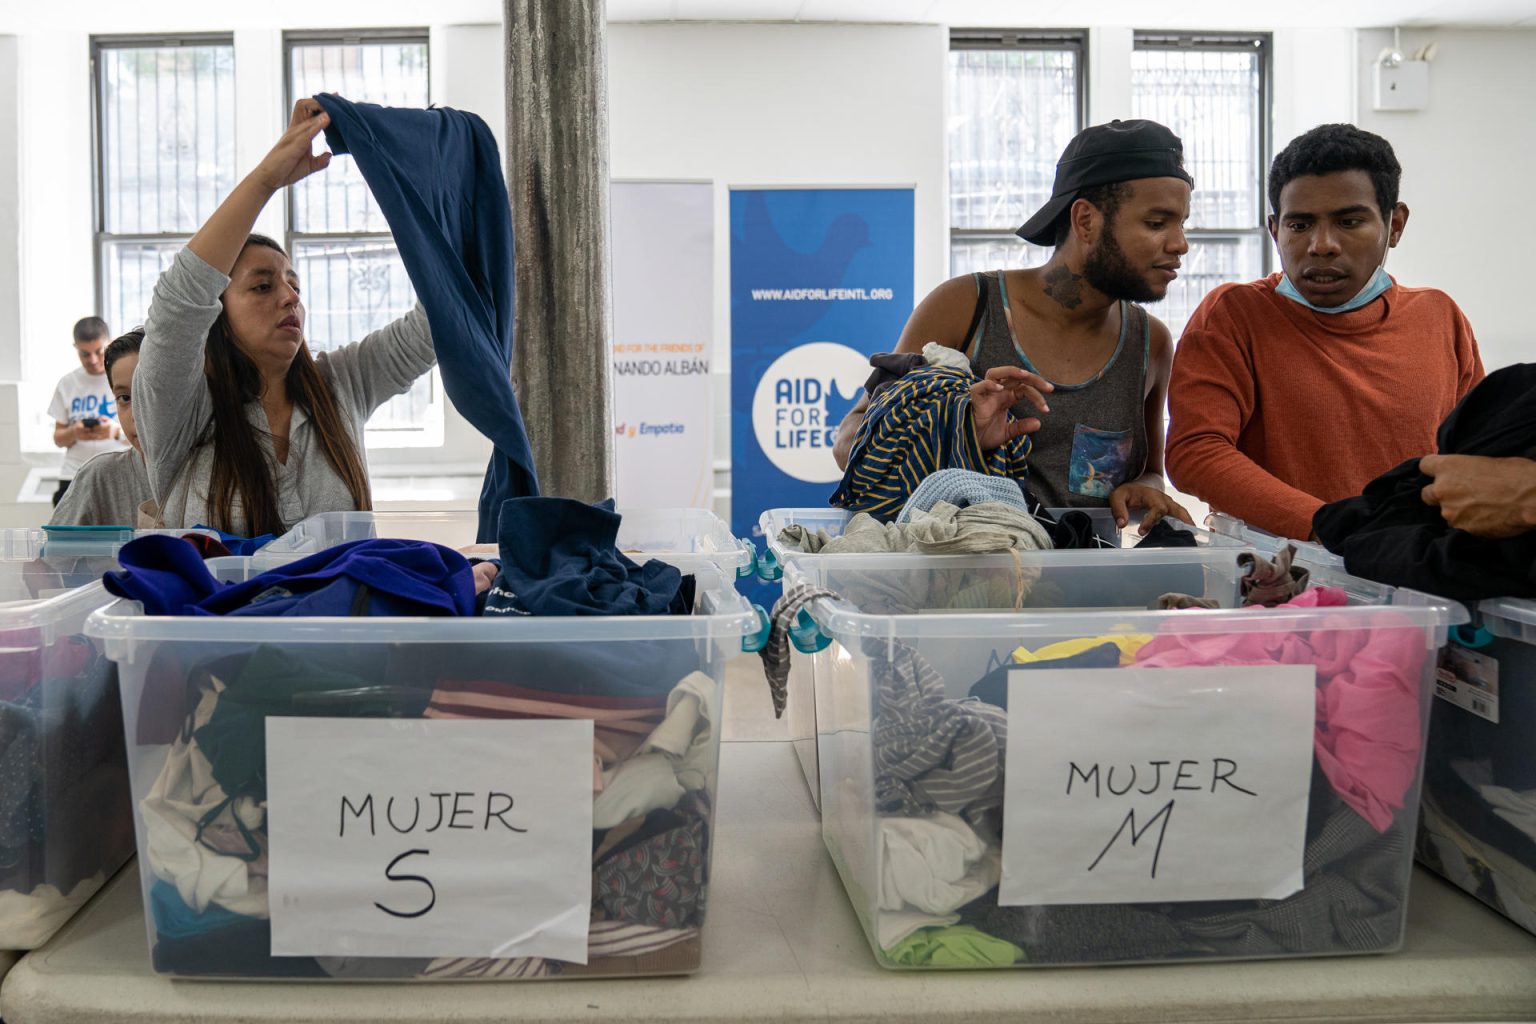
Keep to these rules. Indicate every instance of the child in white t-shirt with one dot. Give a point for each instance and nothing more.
(84, 414)
(113, 489)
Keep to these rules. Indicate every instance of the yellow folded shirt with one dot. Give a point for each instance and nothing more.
(1128, 644)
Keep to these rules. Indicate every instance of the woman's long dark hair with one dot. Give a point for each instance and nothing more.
(239, 462)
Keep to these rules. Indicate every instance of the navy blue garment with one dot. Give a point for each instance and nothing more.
(163, 573)
(993, 687)
(364, 577)
(238, 545)
(437, 177)
(559, 557)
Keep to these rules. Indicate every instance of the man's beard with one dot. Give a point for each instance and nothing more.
(1107, 269)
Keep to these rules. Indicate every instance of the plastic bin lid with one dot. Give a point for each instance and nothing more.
(1513, 611)
(719, 611)
(1308, 552)
(686, 537)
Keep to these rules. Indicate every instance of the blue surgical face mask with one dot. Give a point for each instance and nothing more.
(1373, 290)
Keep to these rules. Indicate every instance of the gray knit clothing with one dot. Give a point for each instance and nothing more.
(107, 491)
(173, 407)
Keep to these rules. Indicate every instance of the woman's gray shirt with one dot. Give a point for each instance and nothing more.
(172, 406)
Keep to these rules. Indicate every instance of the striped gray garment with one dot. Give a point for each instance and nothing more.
(932, 753)
(775, 652)
(486, 968)
(1270, 583)
(620, 938)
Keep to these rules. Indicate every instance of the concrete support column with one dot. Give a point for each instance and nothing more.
(557, 176)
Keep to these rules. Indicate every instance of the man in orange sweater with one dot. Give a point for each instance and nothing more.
(1299, 389)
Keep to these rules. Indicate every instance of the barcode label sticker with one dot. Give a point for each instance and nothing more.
(1470, 681)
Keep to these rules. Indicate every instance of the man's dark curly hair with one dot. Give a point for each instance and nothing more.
(1338, 147)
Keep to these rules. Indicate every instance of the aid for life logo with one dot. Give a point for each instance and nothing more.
(800, 401)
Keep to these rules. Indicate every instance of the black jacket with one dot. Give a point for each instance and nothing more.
(1388, 534)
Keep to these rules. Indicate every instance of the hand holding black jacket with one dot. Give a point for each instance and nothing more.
(1391, 535)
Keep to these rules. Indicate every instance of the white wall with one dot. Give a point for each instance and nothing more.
(10, 210)
(57, 274)
(1467, 163)
(1314, 80)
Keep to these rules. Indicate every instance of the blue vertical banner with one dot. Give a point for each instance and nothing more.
(821, 279)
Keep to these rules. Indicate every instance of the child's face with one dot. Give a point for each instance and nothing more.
(122, 384)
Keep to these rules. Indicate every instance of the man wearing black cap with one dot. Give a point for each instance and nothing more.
(1072, 327)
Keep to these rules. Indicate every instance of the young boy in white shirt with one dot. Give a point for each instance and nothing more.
(84, 414)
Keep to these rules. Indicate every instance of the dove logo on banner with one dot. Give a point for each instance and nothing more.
(821, 279)
(800, 401)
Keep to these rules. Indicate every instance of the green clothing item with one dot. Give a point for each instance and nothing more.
(956, 946)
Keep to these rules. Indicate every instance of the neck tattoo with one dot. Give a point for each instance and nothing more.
(1065, 287)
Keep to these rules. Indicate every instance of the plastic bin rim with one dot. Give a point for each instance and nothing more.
(1521, 611)
(732, 557)
(42, 611)
(1054, 558)
(121, 620)
(841, 619)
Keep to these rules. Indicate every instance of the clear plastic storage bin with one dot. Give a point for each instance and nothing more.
(914, 751)
(773, 521)
(65, 814)
(678, 536)
(800, 712)
(1478, 822)
(1308, 552)
(204, 854)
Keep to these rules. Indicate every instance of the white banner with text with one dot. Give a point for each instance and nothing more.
(663, 326)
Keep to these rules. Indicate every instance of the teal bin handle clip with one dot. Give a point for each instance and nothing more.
(755, 641)
(750, 567)
(768, 567)
(1471, 637)
(806, 635)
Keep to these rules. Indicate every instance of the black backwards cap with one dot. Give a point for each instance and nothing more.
(1106, 154)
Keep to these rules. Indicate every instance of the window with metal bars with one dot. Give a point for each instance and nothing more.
(164, 113)
(349, 269)
(1015, 100)
(1213, 91)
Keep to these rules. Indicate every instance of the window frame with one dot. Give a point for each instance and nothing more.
(295, 38)
(1261, 43)
(100, 235)
(1027, 40)
(429, 435)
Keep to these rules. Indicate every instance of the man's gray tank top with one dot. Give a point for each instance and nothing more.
(1095, 437)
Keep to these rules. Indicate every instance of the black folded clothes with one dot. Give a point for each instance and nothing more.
(1390, 535)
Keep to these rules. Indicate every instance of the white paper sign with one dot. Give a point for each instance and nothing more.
(662, 243)
(1136, 785)
(429, 838)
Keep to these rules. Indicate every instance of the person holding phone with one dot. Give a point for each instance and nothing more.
(113, 489)
(84, 415)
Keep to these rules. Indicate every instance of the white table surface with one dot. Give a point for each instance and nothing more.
(782, 944)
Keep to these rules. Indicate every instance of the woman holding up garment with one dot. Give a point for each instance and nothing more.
(243, 429)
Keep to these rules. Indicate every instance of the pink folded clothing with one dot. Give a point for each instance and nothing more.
(1369, 675)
